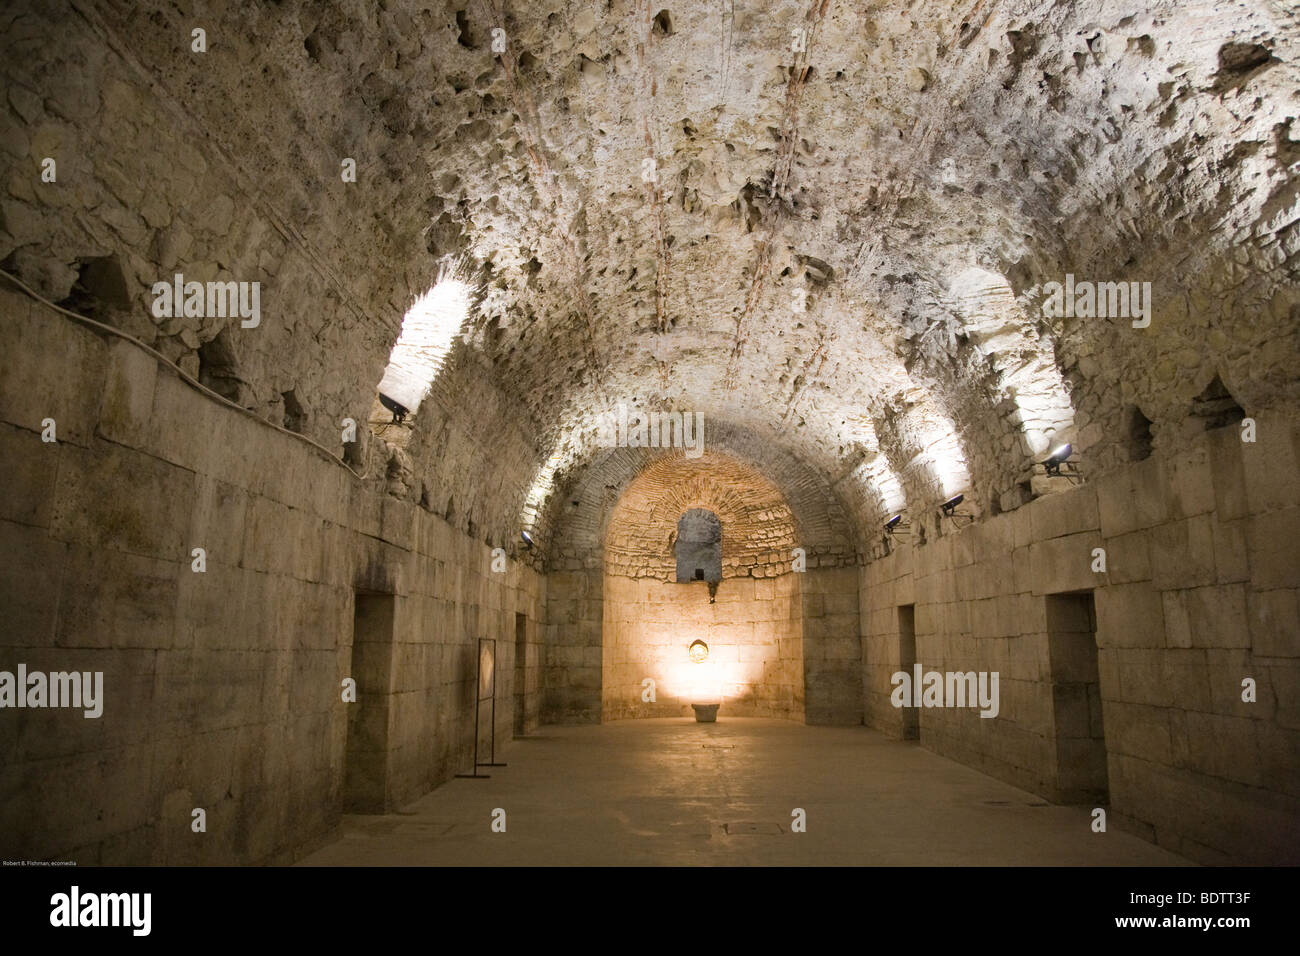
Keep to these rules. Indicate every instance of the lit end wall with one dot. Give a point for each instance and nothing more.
(754, 634)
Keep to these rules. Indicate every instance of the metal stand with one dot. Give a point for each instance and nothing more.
(490, 645)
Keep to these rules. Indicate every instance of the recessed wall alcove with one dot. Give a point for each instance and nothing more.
(724, 518)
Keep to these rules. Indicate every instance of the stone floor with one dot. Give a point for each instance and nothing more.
(675, 792)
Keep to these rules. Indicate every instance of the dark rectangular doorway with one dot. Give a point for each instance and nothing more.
(521, 674)
(1081, 773)
(365, 775)
(906, 661)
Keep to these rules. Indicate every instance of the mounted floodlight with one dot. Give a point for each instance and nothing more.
(399, 410)
(527, 538)
(895, 525)
(1056, 459)
(949, 506)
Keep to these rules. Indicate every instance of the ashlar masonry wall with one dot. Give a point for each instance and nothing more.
(225, 684)
(1199, 594)
(754, 632)
(783, 634)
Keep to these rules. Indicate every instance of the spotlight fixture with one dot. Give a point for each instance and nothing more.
(1058, 458)
(399, 410)
(896, 525)
(698, 651)
(527, 539)
(949, 510)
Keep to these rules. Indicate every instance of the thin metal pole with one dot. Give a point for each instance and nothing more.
(478, 698)
(494, 763)
(476, 728)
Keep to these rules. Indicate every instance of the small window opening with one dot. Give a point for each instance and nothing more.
(295, 417)
(698, 547)
(429, 328)
(1137, 432)
(100, 288)
(219, 368)
(1216, 407)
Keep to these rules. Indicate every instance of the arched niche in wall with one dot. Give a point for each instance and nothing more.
(613, 541)
(681, 529)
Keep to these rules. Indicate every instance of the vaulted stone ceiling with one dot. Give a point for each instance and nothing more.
(825, 225)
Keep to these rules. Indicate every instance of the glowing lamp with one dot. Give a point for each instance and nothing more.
(896, 525)
(1056, 459)
(705, 688)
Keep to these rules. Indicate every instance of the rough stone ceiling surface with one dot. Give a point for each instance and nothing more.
(825, 224)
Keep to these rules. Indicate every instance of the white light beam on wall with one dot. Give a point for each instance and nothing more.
(428, 330)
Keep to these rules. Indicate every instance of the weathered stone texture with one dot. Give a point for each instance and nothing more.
(837, 251)
(1174, 644)
(225, 683)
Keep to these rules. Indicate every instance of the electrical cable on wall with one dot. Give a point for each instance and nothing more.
(185, 376)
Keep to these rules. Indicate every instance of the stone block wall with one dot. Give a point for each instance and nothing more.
(832, 652)
(175, 190)
(1198, 594)
(528, 694)
(754, 633)
(786, 641)
(571, 671)
(168, 199)
(222, 689)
